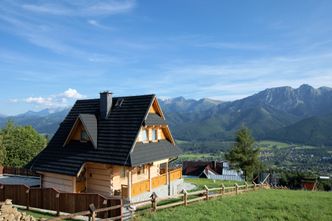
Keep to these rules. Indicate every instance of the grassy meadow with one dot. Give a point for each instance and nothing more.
(210, 183)
(260, 205)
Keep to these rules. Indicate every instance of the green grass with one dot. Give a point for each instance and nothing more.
(37, 214)
(200, 182)
(268, 144)
(200, 156)
(260, 205)
(194, 156)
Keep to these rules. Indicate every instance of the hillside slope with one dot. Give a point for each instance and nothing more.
(313, 130)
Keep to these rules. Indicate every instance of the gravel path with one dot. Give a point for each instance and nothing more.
(186, 186)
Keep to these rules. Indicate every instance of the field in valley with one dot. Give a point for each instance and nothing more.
(260, 205)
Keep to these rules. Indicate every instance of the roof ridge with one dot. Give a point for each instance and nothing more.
(131, 96)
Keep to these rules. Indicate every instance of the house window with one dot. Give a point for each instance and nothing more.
(144, 135)
(84, 136)
(154, 135)
(140, 170)
(123, 172)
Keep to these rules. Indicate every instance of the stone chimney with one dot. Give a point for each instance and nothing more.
(105, 104)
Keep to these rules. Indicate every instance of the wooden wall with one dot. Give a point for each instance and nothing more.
(59, 182)
(99, 178)
(118, 181)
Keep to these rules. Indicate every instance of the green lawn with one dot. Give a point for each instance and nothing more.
(38, 215)
(268, 144)
(200, 182)
(260, 205)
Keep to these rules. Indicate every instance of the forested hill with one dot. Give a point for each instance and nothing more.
(301, 115)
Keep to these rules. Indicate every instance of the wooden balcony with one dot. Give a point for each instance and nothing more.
(144, 186)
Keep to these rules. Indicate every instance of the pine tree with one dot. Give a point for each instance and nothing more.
(243, 155)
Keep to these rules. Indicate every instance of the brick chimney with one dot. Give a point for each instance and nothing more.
(105, 104)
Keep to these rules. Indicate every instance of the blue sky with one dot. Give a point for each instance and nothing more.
(53, 52)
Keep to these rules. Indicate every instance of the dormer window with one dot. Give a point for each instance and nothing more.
(84, 130)
(84, 136)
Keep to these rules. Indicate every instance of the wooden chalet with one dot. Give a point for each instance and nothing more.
(115, 146)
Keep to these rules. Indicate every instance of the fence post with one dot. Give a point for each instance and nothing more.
(121, 209)
(154, 202)
(206, 192)
(2, 197)
(236, 188)
(93, 216)
(185, 197)
(27, 195)
(92, 209)
(105, 203)
(222, 189)
(57, 199)
(246, 186)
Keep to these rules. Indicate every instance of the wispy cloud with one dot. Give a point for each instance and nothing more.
(60, 100)
(97, 24)
(233, 45)
(81, 8)
(240, 78)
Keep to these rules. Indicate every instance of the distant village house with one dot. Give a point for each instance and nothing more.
(210, 169)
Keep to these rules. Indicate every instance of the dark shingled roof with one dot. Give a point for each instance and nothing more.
(116, 137)
(154, 119)
(150, 152)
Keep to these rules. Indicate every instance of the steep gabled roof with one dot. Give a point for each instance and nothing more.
(89, 122)
(154, 119)
(116, 137)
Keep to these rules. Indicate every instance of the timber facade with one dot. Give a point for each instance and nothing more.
(114, 146)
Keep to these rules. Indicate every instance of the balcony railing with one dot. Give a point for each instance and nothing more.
(144, 186)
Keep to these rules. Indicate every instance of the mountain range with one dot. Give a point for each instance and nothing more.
(301, 115)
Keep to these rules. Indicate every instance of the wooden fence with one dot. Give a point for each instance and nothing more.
(51, 199)
(17, 171)
(189, 197)
(184, 199)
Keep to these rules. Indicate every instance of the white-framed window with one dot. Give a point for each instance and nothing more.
(144, 135)
(154, 134)
(84, 136)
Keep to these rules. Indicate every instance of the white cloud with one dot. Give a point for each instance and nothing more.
(60, 100)
(72, 93)
(97, 24)
(234, 45)
(13, 100)
(82, 8)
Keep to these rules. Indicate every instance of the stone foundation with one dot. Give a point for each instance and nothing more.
(10, 213)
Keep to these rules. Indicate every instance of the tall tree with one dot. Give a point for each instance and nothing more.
(21, 144)
(2, 151)
(243, 155)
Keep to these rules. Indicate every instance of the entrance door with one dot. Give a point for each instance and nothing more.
(81, 182)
